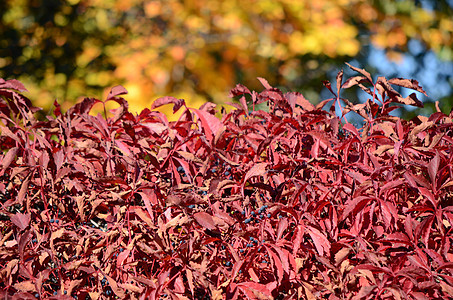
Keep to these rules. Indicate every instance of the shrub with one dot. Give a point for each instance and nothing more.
(294, 202)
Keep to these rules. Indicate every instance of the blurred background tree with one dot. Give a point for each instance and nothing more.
(199, 49)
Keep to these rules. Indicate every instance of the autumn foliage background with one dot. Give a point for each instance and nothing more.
(199, 50)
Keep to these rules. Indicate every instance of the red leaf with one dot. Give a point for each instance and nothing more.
(142, 215)
(24, 286)
(254, 286)
(190, 280)
(244, 105)
(298, 239)
(265, 83)
(178, 103)
(364, 291)
(321, 242)
(277, 263)
(363, 72)
(115, 91)
(408, 176)
(271, 95)
(114, 286)
(205, 220)
(408, 83)
(282, 226)
(294, 98)
(341, 255)
(356, 204)
(24, 239)
(83, 107)
(339, 80)
(122, 257)
(21, 220)
(398, 237)
(424, 229)
(410, 100)
(388, 212)
(257, 170)
(239, 90)
(433, 168)
(58, 158)
(12, 84)
(353, 81)
(123, 147)
(23, 190)
(425, 192)
(209, 123)
(283, 255)
(9, 157)
(351, 128)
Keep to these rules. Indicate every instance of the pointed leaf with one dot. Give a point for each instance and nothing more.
(12, 84)
(353, 81)
(23, 190)
(339, 81)
(341, 255)
(115, 91)
(115, 288)
(9, 157)
(298, 239)
(21, 220)
(122, 257)
(410, 100)
(321, 242)
(209, 122)
(261, 288)
(257, 170)
(282, 226)
(351, 128)
(177, 103)
(25, 286)
(83, 107)
(433, 168)
(277, 264)
(239, 90)
(408, 83)
(265, 83)
(363, 72)
(294, 98)
(205, 220)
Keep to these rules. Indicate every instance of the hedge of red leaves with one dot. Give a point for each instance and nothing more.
(289, 203)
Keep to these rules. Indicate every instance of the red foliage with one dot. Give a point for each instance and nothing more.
(288, 203)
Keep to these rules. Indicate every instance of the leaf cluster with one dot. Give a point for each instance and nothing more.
(288, 203)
